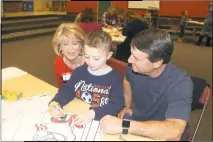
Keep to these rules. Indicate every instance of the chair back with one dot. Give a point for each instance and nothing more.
(204, 98)
(118, 65)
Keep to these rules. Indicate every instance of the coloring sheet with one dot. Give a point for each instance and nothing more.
(66, 130)
(29, 119)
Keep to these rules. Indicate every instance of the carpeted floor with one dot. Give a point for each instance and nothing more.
(36, 56)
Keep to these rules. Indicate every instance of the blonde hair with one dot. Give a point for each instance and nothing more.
(67, 31)
(99, 39)
(78, 18)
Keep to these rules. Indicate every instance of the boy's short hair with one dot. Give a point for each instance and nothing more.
(99, 39)
(67, 31)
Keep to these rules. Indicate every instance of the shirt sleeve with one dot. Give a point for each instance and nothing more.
(127, 73)
(180, 99)
(66, 93)
(103, 20)
(128, 29)
(118, 21)
(116, 101)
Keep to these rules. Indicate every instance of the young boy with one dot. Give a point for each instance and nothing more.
(95, 83)
(183, 24)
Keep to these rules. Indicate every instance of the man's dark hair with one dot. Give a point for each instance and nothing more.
(156, 43)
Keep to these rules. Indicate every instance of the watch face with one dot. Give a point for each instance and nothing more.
(126, 123)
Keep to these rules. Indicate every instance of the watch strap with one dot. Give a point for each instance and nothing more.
(127, 107)
(125, 126)
(125, 131)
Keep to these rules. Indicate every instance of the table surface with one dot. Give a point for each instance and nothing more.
(31, 86)
(195, 22)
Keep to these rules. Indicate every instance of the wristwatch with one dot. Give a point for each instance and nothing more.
(125, 125)
(127, 107)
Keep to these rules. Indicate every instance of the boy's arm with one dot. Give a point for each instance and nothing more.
(116, 101)
(118, 21)
(66, 93)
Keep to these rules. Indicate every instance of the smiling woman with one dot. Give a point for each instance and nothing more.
(68, 45)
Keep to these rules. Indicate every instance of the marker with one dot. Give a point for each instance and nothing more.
(64, 117)
(57, 109)
(43, 95)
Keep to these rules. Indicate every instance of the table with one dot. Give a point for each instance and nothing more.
(116, 39)
(31, 85)
(195, 22)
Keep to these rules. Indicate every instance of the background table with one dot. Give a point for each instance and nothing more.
(195, 22)
(115, 39)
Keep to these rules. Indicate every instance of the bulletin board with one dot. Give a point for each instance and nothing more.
(144, 4)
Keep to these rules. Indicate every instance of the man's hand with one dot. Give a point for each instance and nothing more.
(125, 111)
(111, 125)
(85, 118)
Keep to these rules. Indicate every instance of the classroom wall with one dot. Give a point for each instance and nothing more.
(173, 8)
(195, 8)
(167, 8)
(124, 5)
(42, 5)
(78, 6)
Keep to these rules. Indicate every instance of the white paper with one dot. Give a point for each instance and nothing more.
(64, 132)
(21, 113)
(29, 119)
(11, 72)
